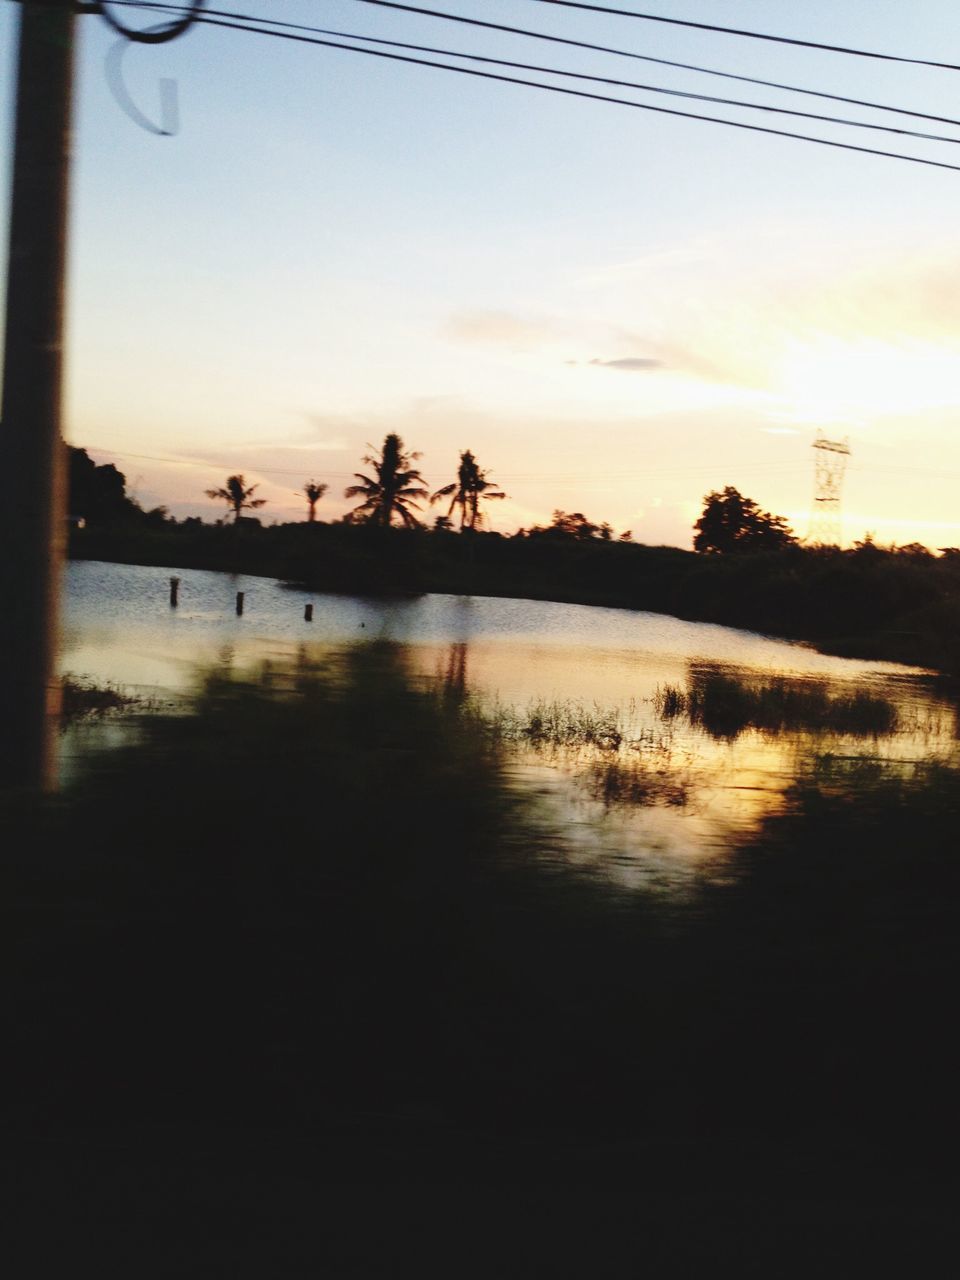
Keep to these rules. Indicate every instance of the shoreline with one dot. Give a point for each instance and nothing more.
(883, 607)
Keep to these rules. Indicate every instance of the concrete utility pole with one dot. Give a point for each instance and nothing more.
(32, 452)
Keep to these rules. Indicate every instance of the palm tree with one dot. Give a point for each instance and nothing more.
(394, 490)
(472, 484)
(314, 493)
(237, 496)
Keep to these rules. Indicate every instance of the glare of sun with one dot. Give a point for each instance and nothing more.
(843, 381)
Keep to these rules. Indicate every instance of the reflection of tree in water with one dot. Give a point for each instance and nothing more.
(226, 657)
(725, 704)
(638, 782)
(455, 672)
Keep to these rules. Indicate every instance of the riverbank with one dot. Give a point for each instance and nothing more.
(873, 603)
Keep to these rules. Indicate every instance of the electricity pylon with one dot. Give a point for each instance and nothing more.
(830, 466)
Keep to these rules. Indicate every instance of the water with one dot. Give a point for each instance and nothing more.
(658, 805)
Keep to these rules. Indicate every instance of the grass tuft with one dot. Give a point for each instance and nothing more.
(725, 706)
(81, 698)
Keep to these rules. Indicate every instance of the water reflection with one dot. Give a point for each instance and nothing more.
(393, 889)
(652, 744)
(454, 671)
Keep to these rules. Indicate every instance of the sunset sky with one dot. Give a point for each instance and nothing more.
(617, 311)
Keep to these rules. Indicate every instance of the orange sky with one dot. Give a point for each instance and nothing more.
(616, 312)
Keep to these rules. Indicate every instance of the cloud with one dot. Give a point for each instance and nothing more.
(755, 311)
(649, 265)
(630, 364)
(502, 328)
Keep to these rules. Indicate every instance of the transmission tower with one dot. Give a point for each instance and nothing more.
(831, 463)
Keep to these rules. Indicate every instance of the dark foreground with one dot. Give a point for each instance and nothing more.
(301, 987)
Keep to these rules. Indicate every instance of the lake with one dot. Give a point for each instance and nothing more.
(652, 743)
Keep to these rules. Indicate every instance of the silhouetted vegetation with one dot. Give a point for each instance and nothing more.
(574, 524)
(733, 523)
(82, 698)
(471, 486)
(394, 489)
(725, 705)
(560, 723)
(238, 496)
(314, 492)
(317, 908)
(98, 495)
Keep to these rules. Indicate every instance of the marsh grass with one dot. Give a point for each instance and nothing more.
(725, 706)
(670, 701)
(637, 782)
(560, 723)
(83, 698)
(616, 768)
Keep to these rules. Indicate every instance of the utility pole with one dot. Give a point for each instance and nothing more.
(32, 452)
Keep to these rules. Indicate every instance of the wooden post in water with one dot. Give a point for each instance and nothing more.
(308, 613)
(174, 592)
(239, 604)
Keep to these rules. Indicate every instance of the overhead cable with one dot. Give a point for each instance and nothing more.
(575, 44)
(579, 93)
(745, 33)
(594, 79)
(149, 35)
(561, 478)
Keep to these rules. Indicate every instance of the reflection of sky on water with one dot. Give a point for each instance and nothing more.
(126, 607)
(699, 791)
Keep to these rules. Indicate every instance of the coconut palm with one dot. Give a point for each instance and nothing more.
(237, 496)
(392, 490)
(471, 485)
(314, 493)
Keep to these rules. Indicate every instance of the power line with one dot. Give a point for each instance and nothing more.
(514, 477)
(595, 79)
(519, 477)
(580, 93)
(148, 35)
(744, 33)
(599, 48)
(562, 40)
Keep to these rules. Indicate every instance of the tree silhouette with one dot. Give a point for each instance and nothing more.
(237, 496)
(314, 493)
(394, 490)
(98, 493)
(574, 524)
(471, 485)
(731, 522)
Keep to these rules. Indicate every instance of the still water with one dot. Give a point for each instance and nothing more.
(644, 790)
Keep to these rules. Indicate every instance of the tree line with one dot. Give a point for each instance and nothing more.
(392, 491)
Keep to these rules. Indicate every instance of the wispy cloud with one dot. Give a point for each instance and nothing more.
(503, 328)
(648, 264)
(630, 364)
(767, 311)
